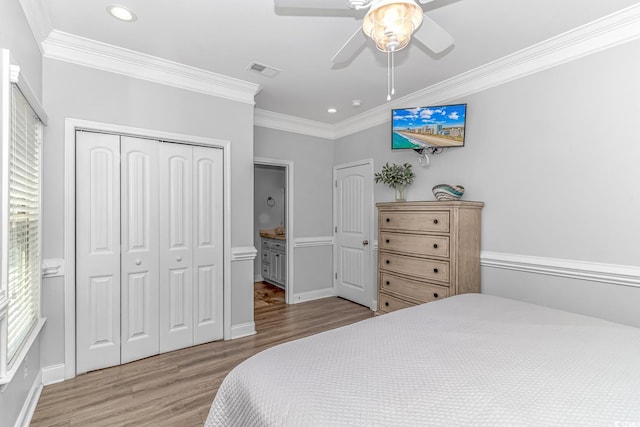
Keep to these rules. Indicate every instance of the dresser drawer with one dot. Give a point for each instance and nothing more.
(436, 221)
(423, 292)
(415, 244)
(418, 267)
(387, 303)
(266, 243)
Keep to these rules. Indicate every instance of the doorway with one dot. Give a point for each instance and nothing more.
(273, 224)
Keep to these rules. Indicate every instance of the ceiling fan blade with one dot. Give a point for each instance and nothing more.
(350, 48)
(312, 4)
(433, 35)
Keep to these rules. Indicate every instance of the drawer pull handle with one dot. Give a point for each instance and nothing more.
(388, 219)
(386, 304)
(387, 241)
(435, 295)
(388, 262)
(388, 283)
(435, 270)
(435, 221)
(435, 246)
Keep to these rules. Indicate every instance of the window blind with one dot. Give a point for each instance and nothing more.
(23, 265)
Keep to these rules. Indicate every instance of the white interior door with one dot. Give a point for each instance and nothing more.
(353, 215)
(208, 240)
(176, 253)
(139, 243)
(97, 250)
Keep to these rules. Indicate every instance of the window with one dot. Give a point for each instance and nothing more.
(23, 263)
(21, 128)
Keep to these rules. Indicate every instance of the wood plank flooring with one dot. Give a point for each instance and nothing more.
(177, 388)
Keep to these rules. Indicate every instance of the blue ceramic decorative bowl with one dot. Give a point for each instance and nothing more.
(448, 192)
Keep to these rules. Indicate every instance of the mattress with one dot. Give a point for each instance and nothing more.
(467, 360)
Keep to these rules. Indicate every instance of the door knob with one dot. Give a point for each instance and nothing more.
(365, 242)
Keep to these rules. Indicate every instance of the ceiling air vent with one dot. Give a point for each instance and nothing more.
(263, 69)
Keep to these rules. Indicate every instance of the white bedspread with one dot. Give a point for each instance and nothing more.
(472, 360)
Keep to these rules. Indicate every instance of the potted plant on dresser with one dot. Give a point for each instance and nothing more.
(396, 177)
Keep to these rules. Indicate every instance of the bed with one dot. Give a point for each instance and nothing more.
(470, 360)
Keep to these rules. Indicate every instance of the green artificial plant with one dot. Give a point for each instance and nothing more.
(396, 177)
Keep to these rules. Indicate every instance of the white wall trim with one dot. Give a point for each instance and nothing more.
(581, 270)
(38, 20)
(53, 374)
(30, 403)
(311, 242)
(258, 278)
(52, 268)
(271, 120)
(313, 295)
(244, 253)
(70, 219)
(243, 330)
(612, 30)
(289, 218)
(102, 56)
(609, 31)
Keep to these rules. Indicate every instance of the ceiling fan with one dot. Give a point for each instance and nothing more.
(389, 23)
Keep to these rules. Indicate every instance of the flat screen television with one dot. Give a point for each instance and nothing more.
(434, 127)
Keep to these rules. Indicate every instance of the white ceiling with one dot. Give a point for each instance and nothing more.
(225, 36)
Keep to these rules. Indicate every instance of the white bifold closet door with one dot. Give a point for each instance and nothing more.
(148, 248)
(190, 248)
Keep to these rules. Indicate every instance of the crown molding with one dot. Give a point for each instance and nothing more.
(604, 33)
(38, 20)
(271, 120)
(102, 56)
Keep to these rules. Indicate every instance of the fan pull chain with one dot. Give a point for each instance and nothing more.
(388, 76)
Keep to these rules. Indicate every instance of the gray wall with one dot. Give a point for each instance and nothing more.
(16, 36)
(269, 181)
(312, 200)
(554, 156)
(85, 93)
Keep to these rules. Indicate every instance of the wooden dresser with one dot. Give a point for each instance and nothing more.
(427, 251)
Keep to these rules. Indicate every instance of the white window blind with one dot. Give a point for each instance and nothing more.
(23, 264)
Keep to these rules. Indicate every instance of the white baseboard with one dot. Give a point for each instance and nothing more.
(53, 374)
(258, 278)
(313, 295)
(243, 330)
(30, 403)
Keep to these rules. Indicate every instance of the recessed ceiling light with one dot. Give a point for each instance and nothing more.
(121, 13)
(332, 110)
(356, 103)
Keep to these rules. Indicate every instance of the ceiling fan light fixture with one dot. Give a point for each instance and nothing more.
(390, 23)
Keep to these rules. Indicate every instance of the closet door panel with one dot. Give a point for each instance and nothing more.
(208, 241)
(97, 251)
(176, 241)
(140, 263)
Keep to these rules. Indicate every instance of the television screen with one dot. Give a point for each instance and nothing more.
(441, 126)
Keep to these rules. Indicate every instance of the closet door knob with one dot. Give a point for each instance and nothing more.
(138, 262)
(178, 258)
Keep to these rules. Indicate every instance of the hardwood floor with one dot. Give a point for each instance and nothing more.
(177, 388)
